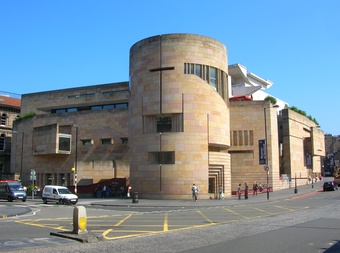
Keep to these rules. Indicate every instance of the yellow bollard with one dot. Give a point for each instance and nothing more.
(79, 220)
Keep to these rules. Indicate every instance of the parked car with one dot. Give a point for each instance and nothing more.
(330, 186)
(59, 194)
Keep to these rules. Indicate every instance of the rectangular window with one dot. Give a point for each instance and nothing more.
(124, 140)
(240, 138)
(251, 137)
(206, 73)
(167, 157)
(96, 108)
(235, 138)
(246, 138)
(65, 142)
(213, 77)
(192, 68)
(124, 105)
(107, 141)
(2, 142)
(3, 119)
(60, 110)
(164, 123)
(87, 142)
(71, 109)
(198, 70)
(108, 106)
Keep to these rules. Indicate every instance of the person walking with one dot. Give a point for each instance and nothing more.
(255, 186)
(246, 188)
(221, 192)
(194, 190)
(239, 191)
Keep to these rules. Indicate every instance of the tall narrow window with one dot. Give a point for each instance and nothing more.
(2, 142)
(3, 119)
(198, 70)
(206, 73)
(213, 78)
(251, 137)
(246, 138)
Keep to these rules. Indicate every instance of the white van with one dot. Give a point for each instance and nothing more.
(59, 194)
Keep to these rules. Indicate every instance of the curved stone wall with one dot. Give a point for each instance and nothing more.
(178, 116)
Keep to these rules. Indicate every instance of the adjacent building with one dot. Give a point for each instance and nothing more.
(9, 111)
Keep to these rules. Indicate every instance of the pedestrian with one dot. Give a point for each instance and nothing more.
(260, 187)
(239, 191)
(194, 190)
(104, 191)
(128, 195)
(255, 186)
(245, 191)
(221, 192)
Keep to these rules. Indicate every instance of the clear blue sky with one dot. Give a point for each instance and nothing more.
(50, 45)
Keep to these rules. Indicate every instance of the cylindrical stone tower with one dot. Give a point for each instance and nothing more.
(179, 117)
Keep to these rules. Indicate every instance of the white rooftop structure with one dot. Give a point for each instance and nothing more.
(247, 84)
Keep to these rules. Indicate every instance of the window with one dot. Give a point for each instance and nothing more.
(124, 140)
(65, 142)
(3, 120)
(213, 77)
(2, 142)
(108, 106)
(167, 157)
(198, 70)
(164, 123)
(242, 138)
(124, 105)
(107, 141)
(87, 142)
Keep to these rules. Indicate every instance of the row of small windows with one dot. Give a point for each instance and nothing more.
(90, 108)
(9, 109)
(213, 76)
(242, 138)
(93, 94)
(104, 141)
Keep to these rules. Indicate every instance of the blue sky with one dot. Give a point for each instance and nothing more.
(51, 45)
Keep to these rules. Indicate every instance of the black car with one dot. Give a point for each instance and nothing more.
(330, 186)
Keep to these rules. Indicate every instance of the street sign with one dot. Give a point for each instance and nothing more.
(33, 175)
(266, 168)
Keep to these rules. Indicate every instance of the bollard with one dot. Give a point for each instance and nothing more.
(135, 197)
(79, 220)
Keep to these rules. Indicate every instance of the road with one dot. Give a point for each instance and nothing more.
(300, 223)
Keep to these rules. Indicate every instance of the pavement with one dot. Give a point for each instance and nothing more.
(233, 200)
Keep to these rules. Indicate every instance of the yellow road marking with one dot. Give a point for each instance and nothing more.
(264, 211)
(231, 211)
(205, 217)
(123, 220)
(166, 219)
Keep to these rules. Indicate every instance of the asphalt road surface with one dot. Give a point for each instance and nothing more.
(305, 223)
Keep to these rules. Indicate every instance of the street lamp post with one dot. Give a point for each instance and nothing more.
(266, 140)
(74, 169)
(22, 154)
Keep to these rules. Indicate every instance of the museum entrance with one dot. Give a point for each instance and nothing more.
(216, 178)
